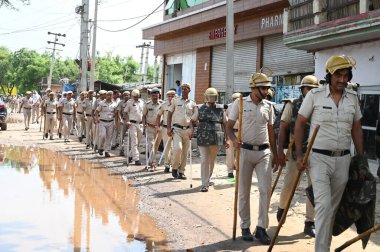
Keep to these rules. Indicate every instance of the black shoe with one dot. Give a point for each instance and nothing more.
(175, 173)
(130, 160)
(137, 162)
(181, 176)
(95, 148)
(231, 175)
(167, 169)
(46, 135)
(113, 147)
(60, 135)
(101, 152)
(309, 228)
(280, 211)
(37, 122)
(106, 154)
(121, 153)
(262, 235)
(246, 234)
(80, 139)
(51, 138)
(87, 146)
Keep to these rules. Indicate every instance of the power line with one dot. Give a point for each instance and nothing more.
(135, 23)
(124, 19)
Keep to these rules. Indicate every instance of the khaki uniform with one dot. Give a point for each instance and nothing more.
(60, 125)
(184, 111)
(134, 110)
(51, 116)
(95, 128)
(329, 174)
(154, 136)
(116, 132)
(123, 127)
(164, 113)
(230, 152)
(67, 116)
(81, 106)
(106, 124)
(35, 108)
(255, 121)
(291, 171)
(27, 104)
(89, 119)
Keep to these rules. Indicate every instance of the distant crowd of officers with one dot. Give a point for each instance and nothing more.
(105, 121)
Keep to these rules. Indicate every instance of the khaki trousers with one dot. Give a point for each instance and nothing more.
(135, 132)
(81, 127)
(258, 161)
(230, 158)
(166, 138)
(181, 144)
(290, 177)
(329, 176)
(153, 141)
(67, 121)
(50, 123)
(116, 133)
(208, 156)
(105, 130)
(27, 113)
(95, 133)
(35, 110)
(123, 140)
(89, 128)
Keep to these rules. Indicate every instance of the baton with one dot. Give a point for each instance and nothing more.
(357, 238)
(191, 167)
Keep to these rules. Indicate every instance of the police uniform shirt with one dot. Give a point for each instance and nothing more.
(68, 105)
(255, 120)
(51, 105)
(287, 113)
(335, 122)
(236, 126)
(134, 110)
(164, 111)
(183, 111)
(89, 105)
(151, 111)
(27, 102)
(121, 106)
(106, 110)
(81, 105)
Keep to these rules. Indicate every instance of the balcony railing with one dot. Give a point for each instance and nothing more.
(337, 9)
(300, 14)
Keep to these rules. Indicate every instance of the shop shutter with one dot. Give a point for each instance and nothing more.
(283, 60)
(245, 55)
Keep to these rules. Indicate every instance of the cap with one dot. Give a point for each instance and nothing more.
(48, 90)
(155, 91)
(90, 91)
(110, 92)
(102, 92)
(51, 93)
(171, 92)
(70, 92)
(126, 93)
(28, 92)
(186, 85)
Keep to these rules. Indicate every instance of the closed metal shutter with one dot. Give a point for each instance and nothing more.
(245, 54)
(283, 60)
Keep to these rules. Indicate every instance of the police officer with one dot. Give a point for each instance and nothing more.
(116, 132)
(49, 109)
(182, 114)
(60, 97)
(105, 115)
(80, 108)
(150, 112)
(26, 105)
(88, 105)
(67, 114)
(162, 119)
(133, 116)
(36, 106)
(102, 96)
(257, 140)
(230, 151)
(336, 109)
(210, 134)
(45, 98)
(123, 128)
(287, 124)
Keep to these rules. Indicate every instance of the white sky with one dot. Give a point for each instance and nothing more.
(28, 27)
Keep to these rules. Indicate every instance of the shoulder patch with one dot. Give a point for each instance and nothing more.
(350, 91)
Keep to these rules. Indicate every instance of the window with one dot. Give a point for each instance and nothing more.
(173, 6)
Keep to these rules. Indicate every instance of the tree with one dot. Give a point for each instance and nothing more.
(6, 86)
(8, 4)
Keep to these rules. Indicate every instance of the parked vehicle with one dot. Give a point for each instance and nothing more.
(3, 115)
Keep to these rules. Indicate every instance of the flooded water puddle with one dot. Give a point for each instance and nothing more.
(49, 202)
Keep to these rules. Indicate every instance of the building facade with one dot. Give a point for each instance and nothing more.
(192, 41)
(350, 27)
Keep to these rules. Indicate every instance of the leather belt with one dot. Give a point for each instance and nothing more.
(254, 147)
(337, 153)
(66, 113)
(88, 115)
(79, 112)
(106, 120)
(151, 125)
(50, 113)
(165, 126)
(180, 126)
(133, 121)
(236, 130)
(27, 108)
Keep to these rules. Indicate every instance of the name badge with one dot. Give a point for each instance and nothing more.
(324, 107)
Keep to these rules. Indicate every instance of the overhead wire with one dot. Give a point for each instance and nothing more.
(129, 27)
(125, 19)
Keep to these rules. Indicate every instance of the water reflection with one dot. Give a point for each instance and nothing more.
(52, 203)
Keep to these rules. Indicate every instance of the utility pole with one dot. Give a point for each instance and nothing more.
(83, 10)
(93, 52)
(146, 64)
(53, 53)
(155, 70)
(230, 50)
(144, 45)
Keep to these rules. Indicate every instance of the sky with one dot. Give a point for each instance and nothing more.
(28, 27)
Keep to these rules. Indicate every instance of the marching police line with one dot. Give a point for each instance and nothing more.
(109, 122)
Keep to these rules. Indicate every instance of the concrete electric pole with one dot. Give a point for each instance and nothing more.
(83, 10)
(144, 77)
(55, 42)
(230, 51)
(93, 52)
